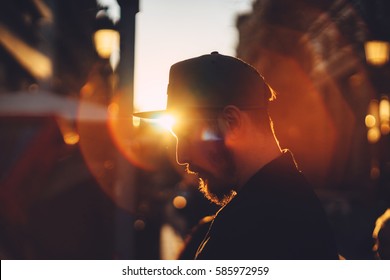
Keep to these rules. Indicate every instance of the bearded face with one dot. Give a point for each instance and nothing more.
(204, 153)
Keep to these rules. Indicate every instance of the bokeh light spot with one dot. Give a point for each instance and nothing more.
(179, 202)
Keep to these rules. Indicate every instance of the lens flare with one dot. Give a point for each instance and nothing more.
(166, 122)
(210, 135)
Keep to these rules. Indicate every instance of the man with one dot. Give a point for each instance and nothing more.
(225, 137)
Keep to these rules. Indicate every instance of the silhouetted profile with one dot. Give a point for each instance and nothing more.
(225, 136)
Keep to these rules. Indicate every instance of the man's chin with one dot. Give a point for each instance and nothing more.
(217, 197)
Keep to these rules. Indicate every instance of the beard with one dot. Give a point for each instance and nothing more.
(220, 198)
(218, 187)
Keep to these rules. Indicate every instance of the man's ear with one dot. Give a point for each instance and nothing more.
(230, 120)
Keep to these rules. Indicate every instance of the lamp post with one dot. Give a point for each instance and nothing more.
(109, 45)
(106, 37)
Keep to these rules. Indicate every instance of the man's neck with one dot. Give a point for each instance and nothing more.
(254, 158)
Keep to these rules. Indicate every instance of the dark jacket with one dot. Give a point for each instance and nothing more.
(276, 215)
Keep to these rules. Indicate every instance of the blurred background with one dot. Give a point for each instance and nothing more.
(80, 178)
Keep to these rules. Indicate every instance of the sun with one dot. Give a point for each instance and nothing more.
(166, 121)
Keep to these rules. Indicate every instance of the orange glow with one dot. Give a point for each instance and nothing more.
(373, 108)
(87, 90)
(378, 119)
(384, 114)
(71, 138)
(179, 202)
(370, 121)
(385, 128)
(137, 144)
(377, 52)
(38, 64)
(106, 42)
(69, 134)
(373, 135)
(300, 122)
(113, 109)
(384, 108)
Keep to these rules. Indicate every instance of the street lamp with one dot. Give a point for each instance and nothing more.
(377, 52)
(372, 122)
(106, 36)
(378, 119)
(384, 114)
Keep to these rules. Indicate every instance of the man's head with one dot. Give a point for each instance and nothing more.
(220, 105)
(211, 82)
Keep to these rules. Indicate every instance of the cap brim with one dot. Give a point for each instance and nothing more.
(150, 114)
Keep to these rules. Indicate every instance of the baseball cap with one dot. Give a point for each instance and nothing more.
(211, 82)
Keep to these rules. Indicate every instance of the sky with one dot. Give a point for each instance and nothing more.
(168, 31)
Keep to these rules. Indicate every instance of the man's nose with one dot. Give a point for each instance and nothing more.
(182, 156)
